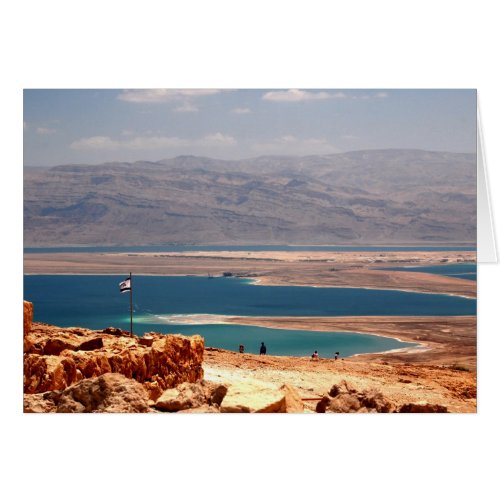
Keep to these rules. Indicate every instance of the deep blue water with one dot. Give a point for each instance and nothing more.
(159, 301)
(464, 271)
(95, 302)
(247, 248)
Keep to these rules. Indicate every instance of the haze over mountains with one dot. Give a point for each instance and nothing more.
(361, 197)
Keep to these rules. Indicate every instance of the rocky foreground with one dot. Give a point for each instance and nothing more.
(75, 370)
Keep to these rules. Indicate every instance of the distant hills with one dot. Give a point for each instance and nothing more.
(360, 197)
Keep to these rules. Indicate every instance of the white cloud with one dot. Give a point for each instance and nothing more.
(95, 142)
(378, 95)
(148, 143)
(45, 131)
(163, 95)
(296, 95)
(217, 139)
(186, 107)
(241, 111)
(292, 145)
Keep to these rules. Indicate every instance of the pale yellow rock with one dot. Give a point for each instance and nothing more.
(293, 401)
(251, 396)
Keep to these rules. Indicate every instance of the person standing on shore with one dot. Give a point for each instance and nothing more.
(263, 348)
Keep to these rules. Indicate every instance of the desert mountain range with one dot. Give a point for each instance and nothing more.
(360, 197)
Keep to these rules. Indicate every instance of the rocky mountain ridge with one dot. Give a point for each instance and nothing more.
(379, 196)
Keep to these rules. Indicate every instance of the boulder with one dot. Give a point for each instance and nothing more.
(323, 404)
(375, 400)
(147, 341)
(182, 397)
(344, 403)
(109, 393)
(214, 392)
(252, 396)
(343, 387)
(293, 401)
(187, 396)
(91, 345)
(422, 408)
(345, 398)
(41, 403)
(54, 347)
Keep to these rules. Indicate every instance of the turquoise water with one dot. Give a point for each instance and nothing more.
(159, 301)
(464, 271)
(289, 342)
(248, 248)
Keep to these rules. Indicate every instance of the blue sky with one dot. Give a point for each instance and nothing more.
(94, 126)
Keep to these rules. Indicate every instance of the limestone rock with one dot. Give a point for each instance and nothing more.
(147, 341)
(187, 396)
(216, 392)
(343, 387)
(109, 393)
(323, 404)
(202, 409)
(182, 397)
(56, 358)
(91, 345)
(345, 398)
(41, 403)
(28, 316)
(54, 347)
(293, 401)
(252, 396)
(422, 408)
(377, 401)
(27, 322)
(344, 403)
(111, 330)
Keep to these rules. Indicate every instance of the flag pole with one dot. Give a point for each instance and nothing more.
(130, 278)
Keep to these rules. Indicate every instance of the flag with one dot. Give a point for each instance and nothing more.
(125, 286)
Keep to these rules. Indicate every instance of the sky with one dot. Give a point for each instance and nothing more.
(100, 125)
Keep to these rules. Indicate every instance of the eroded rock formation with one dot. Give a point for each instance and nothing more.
(345, 398)
(57, 358)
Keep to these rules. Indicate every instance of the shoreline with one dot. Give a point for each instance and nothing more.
(258, 282)
(447, 339)
(233, 320)
(273, 268)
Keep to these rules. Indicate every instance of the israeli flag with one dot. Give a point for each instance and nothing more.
(125, 286)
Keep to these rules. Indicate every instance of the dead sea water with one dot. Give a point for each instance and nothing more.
(95, 302)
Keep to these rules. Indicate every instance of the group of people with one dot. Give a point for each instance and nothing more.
(263, 350)
(315, 355)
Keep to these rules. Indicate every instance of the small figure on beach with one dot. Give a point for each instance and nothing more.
(337, 354)
(263, 348)
(315, 355)
(242, 348)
